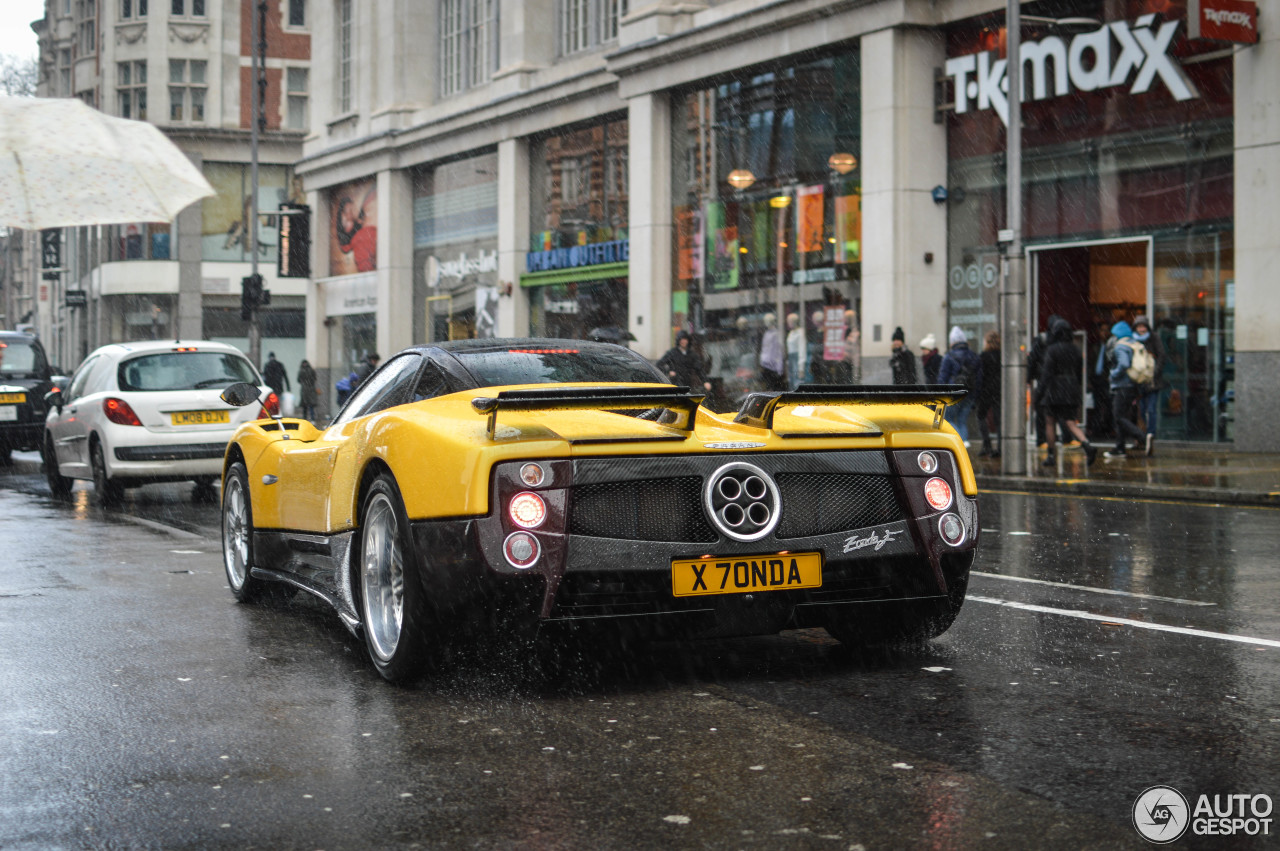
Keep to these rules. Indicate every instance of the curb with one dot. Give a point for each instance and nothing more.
(1173, 493)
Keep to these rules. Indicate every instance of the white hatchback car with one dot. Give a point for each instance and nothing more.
(145, 412)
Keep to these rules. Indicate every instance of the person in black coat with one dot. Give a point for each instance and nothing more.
(273, 373)
(989, 398)
(1058, 389)
(683, 366)
(902, 362)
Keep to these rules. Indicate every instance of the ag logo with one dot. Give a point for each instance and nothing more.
(1161, 814)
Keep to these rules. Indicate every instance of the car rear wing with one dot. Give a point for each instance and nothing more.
(677, 399)
(758, 408)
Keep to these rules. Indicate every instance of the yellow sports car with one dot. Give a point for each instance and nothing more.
(529, 482)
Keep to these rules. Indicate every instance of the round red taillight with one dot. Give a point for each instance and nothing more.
(521, 549)
(937, 493)
(527, 510)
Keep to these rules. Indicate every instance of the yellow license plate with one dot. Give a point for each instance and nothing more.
(12, 398)
(200, 417)
(745, 574)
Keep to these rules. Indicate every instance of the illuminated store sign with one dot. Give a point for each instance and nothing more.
(1113, 55)
(595, 254)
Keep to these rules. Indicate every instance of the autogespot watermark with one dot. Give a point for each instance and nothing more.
(1162, 815)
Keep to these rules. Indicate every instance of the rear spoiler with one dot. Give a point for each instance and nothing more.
(590, 398)
(758, 408)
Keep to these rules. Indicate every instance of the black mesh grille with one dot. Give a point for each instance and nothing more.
(651, 510)
(819, 504)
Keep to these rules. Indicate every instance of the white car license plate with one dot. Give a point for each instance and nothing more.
(8, 413)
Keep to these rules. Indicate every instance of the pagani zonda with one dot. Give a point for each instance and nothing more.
(565, 481)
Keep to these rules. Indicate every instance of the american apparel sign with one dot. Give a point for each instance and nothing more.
(1117, 54)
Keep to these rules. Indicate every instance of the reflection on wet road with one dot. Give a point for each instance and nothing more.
(143, 706)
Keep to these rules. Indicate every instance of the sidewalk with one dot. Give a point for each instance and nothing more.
(1212, 474)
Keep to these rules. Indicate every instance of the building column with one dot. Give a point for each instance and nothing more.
(904, 155)
(394, 312)
(1257, 251)
(513, 236)
(650, 223)
(190, 307)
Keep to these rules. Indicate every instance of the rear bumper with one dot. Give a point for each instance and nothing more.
(589, 578)
(21, 435)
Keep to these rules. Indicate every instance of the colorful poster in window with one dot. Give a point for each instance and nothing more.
(224, 216)
(353, 228)
(722, 249)
(809, 219)
(849, 228)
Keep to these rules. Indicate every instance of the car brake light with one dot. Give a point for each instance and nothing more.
(527, 510)
(937, 493)
(951, 527)
(119, 412)
(270, 407)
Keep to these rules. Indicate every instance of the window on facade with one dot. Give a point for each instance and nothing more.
(87, 29)
(179, 8)
(129, 7)
(64, 73)
(187, 90)
(467, 50)
(296, 80)
(297, 13)
(343, 87)
(131, 89)
(585, 24)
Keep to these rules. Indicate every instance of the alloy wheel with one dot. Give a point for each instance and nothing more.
(235, 533)
(382, 577)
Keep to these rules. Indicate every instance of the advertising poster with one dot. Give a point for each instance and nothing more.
(849, 228)
(353, 228)
(809, 219)
(224, 230)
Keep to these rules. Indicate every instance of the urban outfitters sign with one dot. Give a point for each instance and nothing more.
(1116, 54)
(595, 254)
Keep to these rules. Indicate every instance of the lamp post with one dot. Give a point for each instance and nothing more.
(1013, 295)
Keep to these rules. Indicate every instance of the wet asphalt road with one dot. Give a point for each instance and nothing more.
(141, 707)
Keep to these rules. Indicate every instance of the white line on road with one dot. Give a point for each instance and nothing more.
(1158, 627)
(1093, 590)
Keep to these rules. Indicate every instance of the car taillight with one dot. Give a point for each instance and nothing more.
(119, 412)
(937, 493)
(521, 549)
(270, 407)
(951, 527)
(527, 510)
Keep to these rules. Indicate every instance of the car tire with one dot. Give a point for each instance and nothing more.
(905, 624)
(393, 612)
(237, 543)
(108, 491)
(59, 485)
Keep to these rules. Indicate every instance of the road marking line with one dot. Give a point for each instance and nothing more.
(1093, 590)
(1077, 496)
(1158, 627)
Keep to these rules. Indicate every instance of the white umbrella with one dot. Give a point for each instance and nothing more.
(63, 164)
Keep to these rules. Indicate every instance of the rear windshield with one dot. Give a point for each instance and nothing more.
(185, 371)
(555, 365)
(21, 360)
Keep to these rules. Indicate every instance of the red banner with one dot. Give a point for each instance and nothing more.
(1223, 20)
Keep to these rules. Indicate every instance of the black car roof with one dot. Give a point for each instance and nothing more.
(499, 344)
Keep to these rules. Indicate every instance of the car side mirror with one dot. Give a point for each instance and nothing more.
(53, 399)
(240, 394)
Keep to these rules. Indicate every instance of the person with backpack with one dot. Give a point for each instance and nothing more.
(1149, 392)
(1123, 356)
(961, 366)
(1058, 391)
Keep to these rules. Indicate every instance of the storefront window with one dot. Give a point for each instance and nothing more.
(224, 234)
(576, 267)
(455, 249)
(768, 225)
(1127, 197)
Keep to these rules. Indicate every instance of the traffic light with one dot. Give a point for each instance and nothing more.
(251, 295)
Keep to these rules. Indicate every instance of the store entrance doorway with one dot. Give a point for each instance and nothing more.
(1092, 285)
